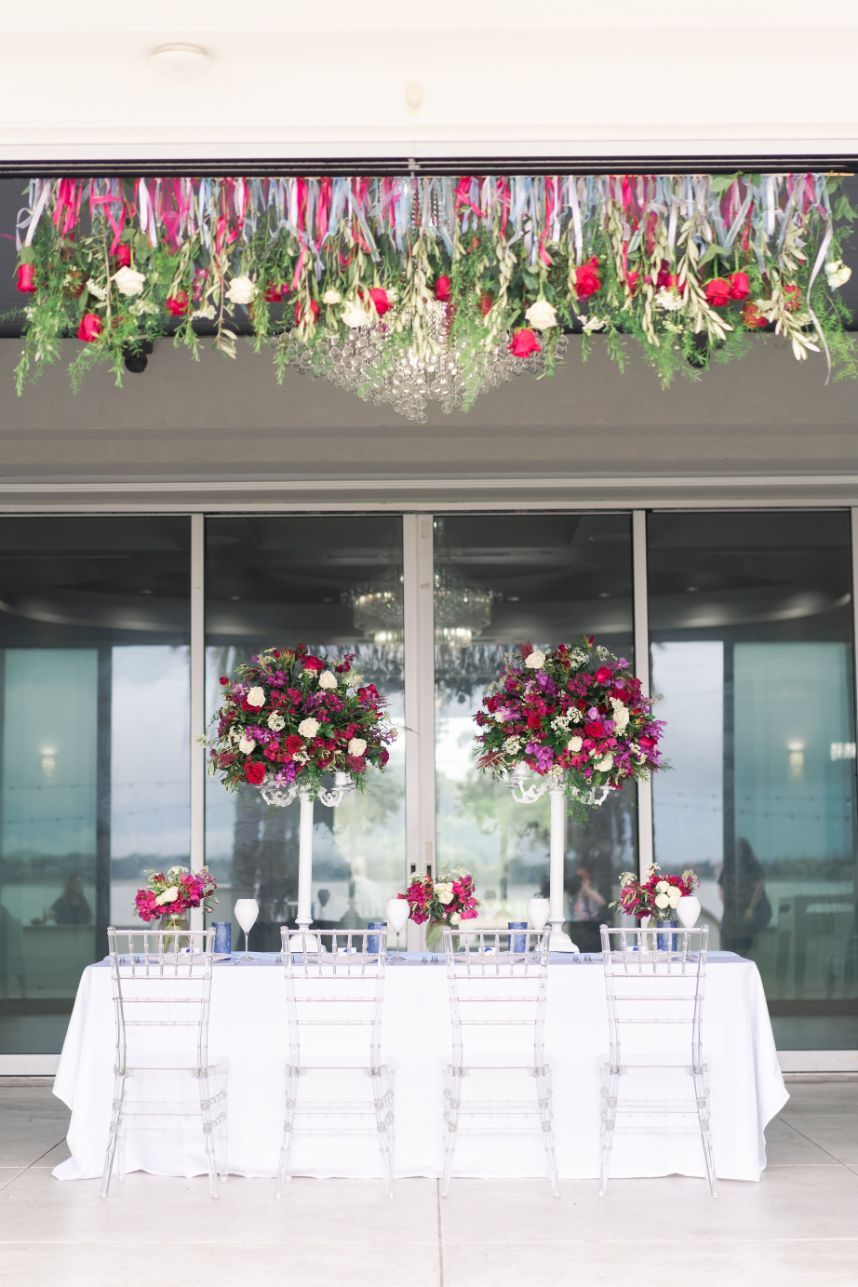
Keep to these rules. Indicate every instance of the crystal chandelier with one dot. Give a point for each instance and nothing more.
(461, 610)
(446, 371)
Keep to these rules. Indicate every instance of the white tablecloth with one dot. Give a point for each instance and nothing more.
(248, 1028)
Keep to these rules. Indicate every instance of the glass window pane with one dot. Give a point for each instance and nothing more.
(333, 582)
(502, 579)
(751, 628)
(94, 746)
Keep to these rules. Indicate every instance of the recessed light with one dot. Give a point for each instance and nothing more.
(180, 57)
(513, 598)
(692, 589)
(603, 594)
(147, 591)
(234, 598)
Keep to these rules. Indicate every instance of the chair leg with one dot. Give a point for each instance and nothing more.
(452, 1093)
(543, 1090)
(383, 1124)
(113, 1140)
(701, 1094)
(206, 1115)
(288, 1130)
(609, 1090)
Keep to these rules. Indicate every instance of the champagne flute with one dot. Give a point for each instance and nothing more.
(397, 912)
(246, 912)
(538, 911)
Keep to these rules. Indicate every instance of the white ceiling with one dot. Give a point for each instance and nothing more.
(496, 76)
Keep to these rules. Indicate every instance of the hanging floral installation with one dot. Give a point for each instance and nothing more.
(488, 272)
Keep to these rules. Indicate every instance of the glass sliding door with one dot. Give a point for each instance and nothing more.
(333, 582)
(94, 747)
(500, 580)
(752, 647)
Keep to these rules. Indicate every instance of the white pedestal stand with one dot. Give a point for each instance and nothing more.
(281, 797)
(527, 787)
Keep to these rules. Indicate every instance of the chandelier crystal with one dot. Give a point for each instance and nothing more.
(445, 371)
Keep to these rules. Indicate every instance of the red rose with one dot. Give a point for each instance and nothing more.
(293, 744)
(740, 286)
(752, 317)
(313, 663)
(593, 728)
(314, 311)
(486, 302)
(224, 679)
(717, 292)
(122, 255)
(380, 300)
(646, 742)
(524, 343)
(26, 282)
(587, 279)
(276, 291)
(443, 289)
(90, 328)
(254, 772)
(177, 305)
(603, 674)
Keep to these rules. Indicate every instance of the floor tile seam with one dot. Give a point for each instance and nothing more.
(19, 1171)
(812, 1141)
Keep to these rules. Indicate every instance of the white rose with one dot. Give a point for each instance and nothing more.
(308, 727)
(332, 297)
(662, 901)
(591, 324)
(241, 290)
(837, 273)
(355, 680)
(256, 697)
(327, 679)
(357, 746)
(662, 887)
(621, 715)
(455, 918)
(169, 896)
(246, 745)
(674, 895)
(276, 722)
(574, 744)
(129, 281)
(444, 893)
(541, 315)
(536, 660)
(355, 315)
(95, 290)
(606, 763)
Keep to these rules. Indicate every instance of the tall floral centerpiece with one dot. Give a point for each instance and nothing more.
(572, 721)
(292, 723)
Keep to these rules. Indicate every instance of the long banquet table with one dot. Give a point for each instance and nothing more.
(248, 1028)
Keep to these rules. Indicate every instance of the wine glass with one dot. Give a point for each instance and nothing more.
(397, 912)
(538, 911)
(246, 912)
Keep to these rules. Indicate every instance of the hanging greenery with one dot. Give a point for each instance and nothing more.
(687, 266)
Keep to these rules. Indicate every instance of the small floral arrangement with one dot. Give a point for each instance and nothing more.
(290, 717)
(446, 901)
(656, 896)
(172, 893)
(576, 711)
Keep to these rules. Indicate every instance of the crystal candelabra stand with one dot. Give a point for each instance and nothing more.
(281, 798)
(527, 787)
(410, 380)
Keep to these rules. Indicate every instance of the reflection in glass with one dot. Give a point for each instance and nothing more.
(94, 746)
(751, 629)
(543, 578)
(308, 579)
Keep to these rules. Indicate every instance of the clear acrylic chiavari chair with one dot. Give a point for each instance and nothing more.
(498, 987)
(334, 996)
(652, 993)
(161, 998)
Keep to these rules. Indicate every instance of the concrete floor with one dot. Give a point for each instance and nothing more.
(798, 1227)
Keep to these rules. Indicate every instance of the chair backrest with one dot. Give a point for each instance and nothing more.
(334, 992)
(161, 992)
(650, 985)
(498, 981)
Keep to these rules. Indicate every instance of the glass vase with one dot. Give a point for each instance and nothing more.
(665, 939)
(173, 927)
(435, 936)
